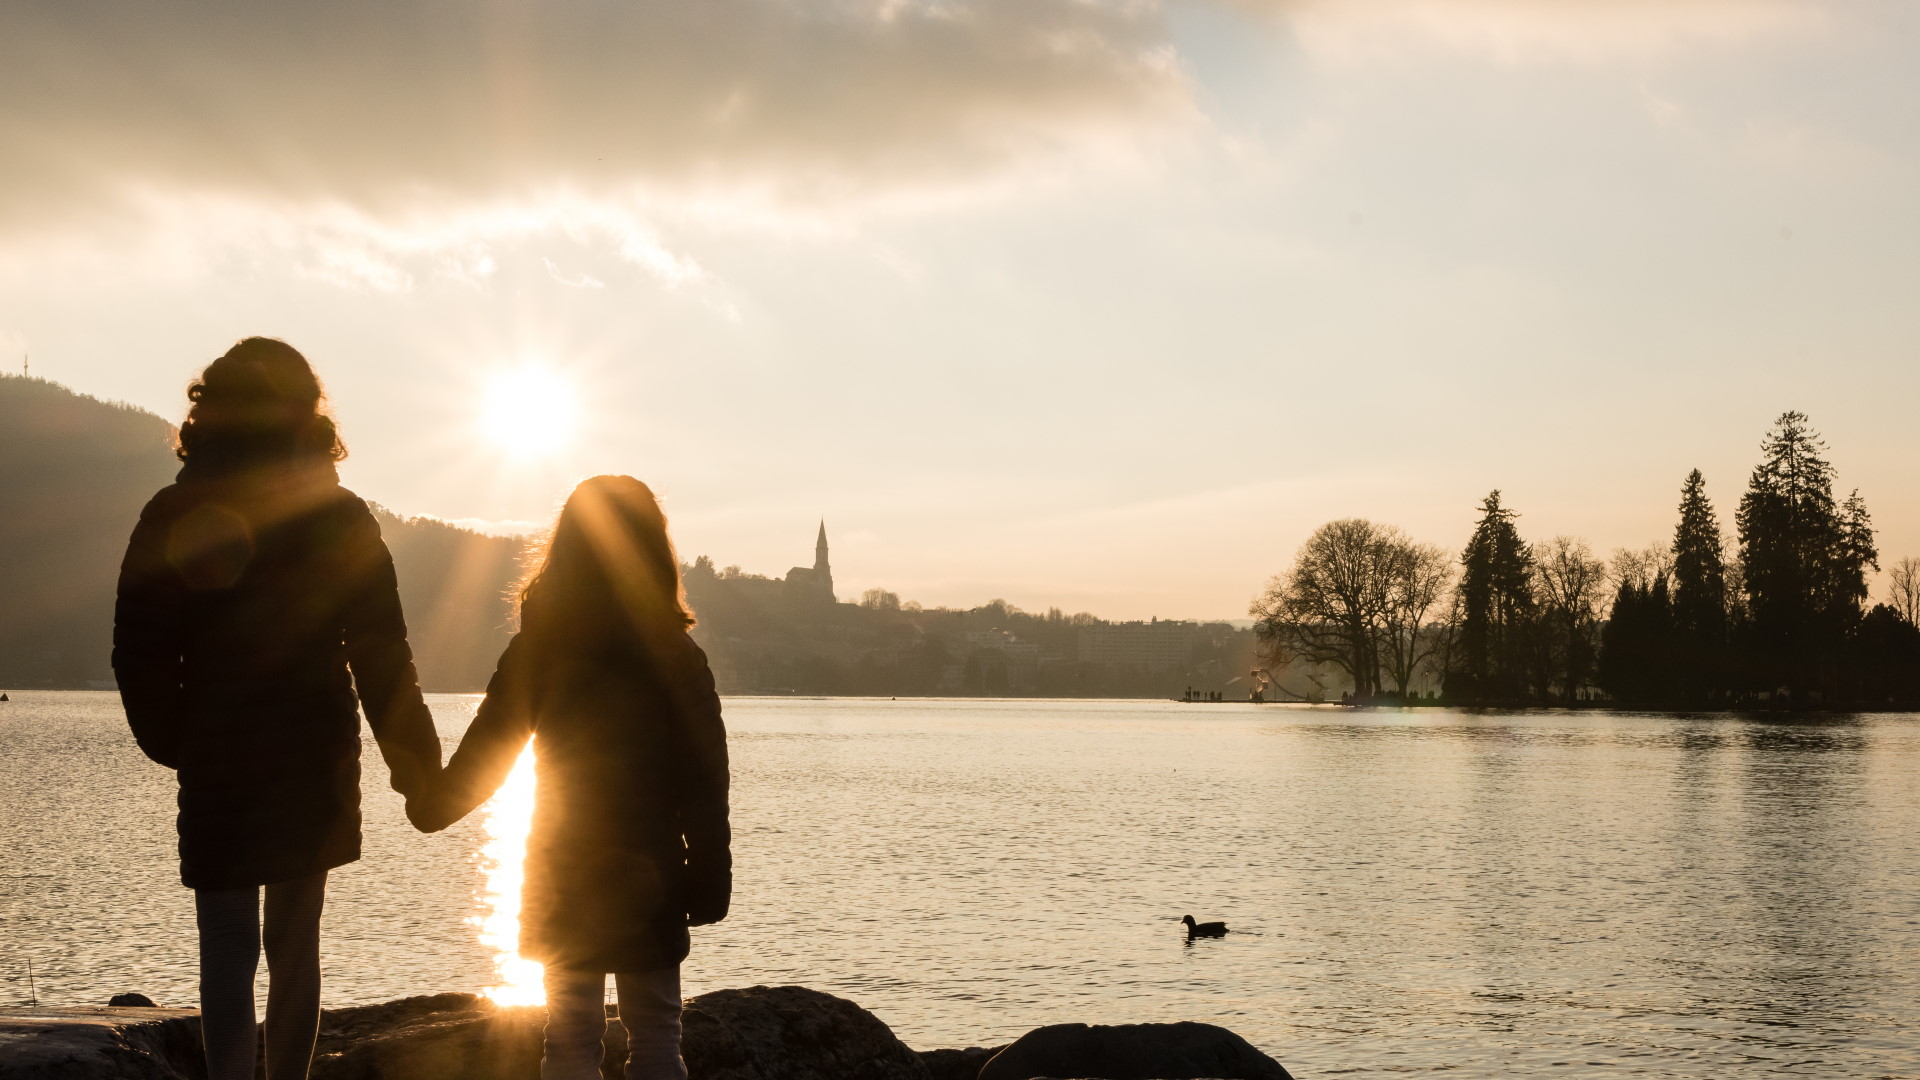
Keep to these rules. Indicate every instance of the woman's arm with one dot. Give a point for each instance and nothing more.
(148, 638)
(703, 795)
(492, 744)
(382, 663)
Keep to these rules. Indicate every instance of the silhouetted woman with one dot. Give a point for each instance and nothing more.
(630, 843)
(251, 588)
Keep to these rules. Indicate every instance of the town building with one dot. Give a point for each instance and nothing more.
(1149, 646)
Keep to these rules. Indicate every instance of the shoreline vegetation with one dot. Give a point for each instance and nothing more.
(1773, 615)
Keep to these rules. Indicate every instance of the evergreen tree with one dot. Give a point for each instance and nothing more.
(1699, 598)
(1658, 681)
(1619, 659)
(1637, 665)
(1804, 561)
(1886, 658)
(1496, 611)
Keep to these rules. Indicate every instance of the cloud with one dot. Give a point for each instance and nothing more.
(408, 108)
(1534, 31)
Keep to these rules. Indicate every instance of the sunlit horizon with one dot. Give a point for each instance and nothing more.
(1097, 306)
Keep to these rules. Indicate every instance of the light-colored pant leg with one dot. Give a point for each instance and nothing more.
(650, 1009)
(576, 1022)
(291, 933)
(229, 922)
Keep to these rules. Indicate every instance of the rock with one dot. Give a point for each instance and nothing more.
(766, 1033)
(442, 1037)
(1185, 1051)
(790, 1033)
(131, 1001)
(92, 1043)
(958, 1064)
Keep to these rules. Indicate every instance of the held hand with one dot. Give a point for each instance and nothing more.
(431, 811)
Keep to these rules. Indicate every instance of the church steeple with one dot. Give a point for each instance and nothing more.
(822, 571)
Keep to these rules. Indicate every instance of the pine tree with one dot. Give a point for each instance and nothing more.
(1699, 597)
(1637, 661)
(1661, 668)
(1804, 561)
(1621, 661)
(1496, 610)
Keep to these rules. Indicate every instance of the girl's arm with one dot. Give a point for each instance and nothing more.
(148, 636)
(703, 795)
(375, 633)
(492, 744)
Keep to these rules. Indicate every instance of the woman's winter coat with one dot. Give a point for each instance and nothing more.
(252, 609)
(630, 842)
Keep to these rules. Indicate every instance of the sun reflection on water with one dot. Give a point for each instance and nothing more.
(506, 819)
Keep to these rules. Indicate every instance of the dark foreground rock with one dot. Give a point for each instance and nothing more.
(1132, 1052)
(100, 1044)
(790, 1033)
(442, 1037)
(958, 1064)
(762, 1033)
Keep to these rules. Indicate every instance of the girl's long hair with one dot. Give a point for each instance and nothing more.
(259, 404)
(607, 567)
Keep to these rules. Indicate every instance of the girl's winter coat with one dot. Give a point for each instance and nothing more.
(252, 609)
(630, 841)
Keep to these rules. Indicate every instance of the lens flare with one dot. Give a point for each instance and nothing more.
(508, 817)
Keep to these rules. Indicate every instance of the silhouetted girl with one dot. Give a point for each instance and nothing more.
(629, 844)
(251, 587)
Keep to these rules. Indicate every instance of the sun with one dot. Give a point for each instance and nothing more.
(530, 412)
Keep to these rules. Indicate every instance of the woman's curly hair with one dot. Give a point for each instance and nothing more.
(258, 404)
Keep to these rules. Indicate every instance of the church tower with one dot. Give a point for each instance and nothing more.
(822, 573)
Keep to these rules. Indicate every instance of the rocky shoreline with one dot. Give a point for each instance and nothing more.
(760, 1033)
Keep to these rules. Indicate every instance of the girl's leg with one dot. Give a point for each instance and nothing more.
(650, 1009)
(576, 1022)
(229, 922)
(292, 938)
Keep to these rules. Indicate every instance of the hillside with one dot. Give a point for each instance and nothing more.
(74, 473)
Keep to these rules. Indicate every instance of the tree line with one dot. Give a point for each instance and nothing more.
(1775, 614)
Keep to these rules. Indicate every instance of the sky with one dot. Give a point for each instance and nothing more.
(1103, 306)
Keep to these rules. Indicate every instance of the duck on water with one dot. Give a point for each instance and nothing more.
(1205, 929)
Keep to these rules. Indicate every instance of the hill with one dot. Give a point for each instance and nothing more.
(74, 473)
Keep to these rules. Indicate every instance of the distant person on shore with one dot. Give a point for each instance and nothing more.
(252, 587)
(630, 842)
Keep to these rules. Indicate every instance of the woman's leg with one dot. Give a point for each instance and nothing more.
(576, 1022)
(292, 937)
(229, 921)
(650, 1009)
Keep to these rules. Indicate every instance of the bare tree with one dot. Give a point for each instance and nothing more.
(1358, 597)
(880, 600)
(1326, 608)
(1417, 578)
(1903, 589)
(1571, 585)
(1640, 565)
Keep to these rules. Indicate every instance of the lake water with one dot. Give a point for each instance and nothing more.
(1500, 894)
